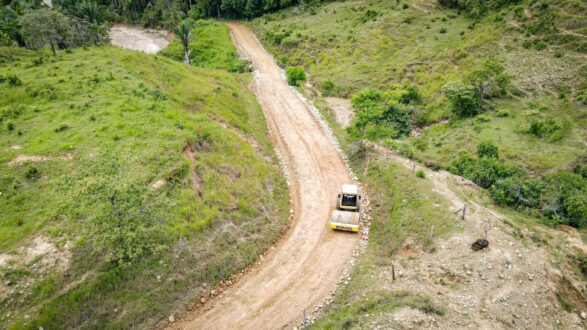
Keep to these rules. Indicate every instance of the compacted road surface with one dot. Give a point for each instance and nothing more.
(305, 266)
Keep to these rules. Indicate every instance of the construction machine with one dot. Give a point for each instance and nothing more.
(346, 216)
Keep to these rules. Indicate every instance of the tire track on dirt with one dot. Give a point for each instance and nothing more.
(303, 270)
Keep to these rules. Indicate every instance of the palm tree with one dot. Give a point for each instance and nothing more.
(183, 30)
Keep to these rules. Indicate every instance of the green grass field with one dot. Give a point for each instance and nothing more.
(375, 44)
(100, 126)
(211, 48)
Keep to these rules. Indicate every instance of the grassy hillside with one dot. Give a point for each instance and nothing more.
(127, 186)
(524, 64)
(211, 48)
(374, 44)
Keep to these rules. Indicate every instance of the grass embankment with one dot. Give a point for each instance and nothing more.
(149, 201)
(374, 44)
(211, 48)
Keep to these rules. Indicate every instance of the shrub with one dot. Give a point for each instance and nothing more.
(539, 44)
(561, 197)
(443, 30)
(32, 173)
(490, 78)
(369, 15)
(381, 121)
(410, 95)
(10, 126)
(420, 174)
(484, 171)
(565, 196)
(487, 149)
(61, 128)
(516, 192)
(547, 128)
(503, 113)
(295, 75)
(420, 144)
(379, 115)
(464, 98)
(327, 87)
(13, 80)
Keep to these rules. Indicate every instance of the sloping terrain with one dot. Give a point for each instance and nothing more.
(305, 267)
(532, 275)
(428, 276)
(362, 44)
(130, 185)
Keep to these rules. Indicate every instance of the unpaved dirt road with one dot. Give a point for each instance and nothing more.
(305, 267)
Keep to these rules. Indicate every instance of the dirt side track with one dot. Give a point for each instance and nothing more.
(305, 267)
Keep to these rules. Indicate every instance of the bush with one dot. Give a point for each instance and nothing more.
(443, 30)
(464, 98)
(516, 192)
(295, 75)
(503, 113)
(490, 78)
(565, 196)
(61, 128)
(561, 197)
(13, 80)
(369, 15)
(410, 96)
(327, 87)
(32, 173)
(487, 149)
(547, 128)
(377, 118)
(420, 174)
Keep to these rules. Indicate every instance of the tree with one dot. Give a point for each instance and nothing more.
(464, 97)
(490, 78)
(183, 31)
(295, 75)
(45, 27)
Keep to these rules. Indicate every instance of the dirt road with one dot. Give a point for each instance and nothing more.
(305, 267)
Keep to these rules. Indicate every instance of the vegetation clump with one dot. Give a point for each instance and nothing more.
(488, 80)
(560, 197)
(295, 75)
(387, 114)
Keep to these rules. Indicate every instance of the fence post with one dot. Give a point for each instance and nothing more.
(431, 233)
(464, 211)
(392, 272)
(487, 228)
